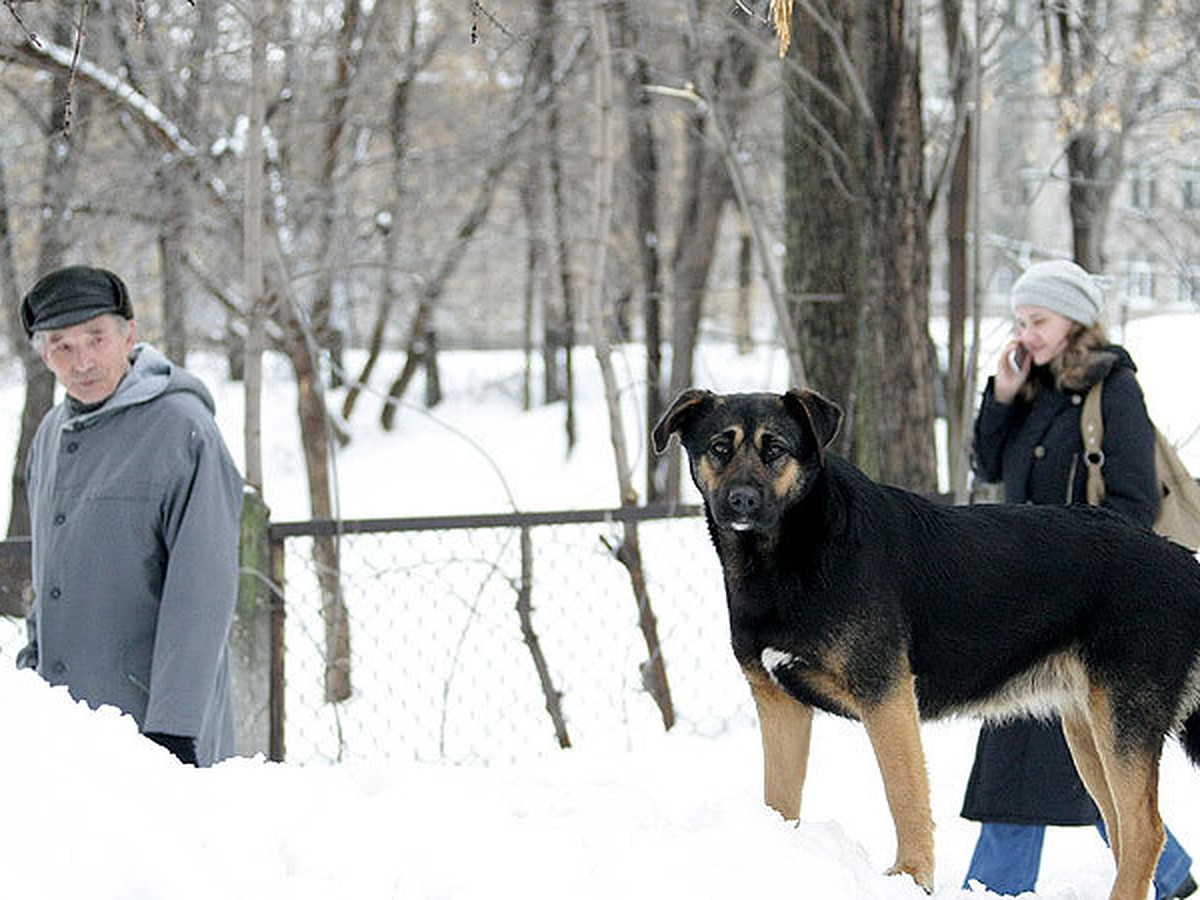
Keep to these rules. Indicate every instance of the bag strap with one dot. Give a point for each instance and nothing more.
(1091, 426)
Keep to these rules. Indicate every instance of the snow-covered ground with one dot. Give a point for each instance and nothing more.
(92, 810)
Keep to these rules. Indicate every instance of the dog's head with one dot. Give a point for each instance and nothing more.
(752, 455)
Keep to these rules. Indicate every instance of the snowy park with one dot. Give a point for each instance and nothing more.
(96, 811)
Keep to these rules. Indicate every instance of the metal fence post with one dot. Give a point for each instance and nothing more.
(278, 621)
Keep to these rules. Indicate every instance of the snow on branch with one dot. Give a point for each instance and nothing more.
(54, 57)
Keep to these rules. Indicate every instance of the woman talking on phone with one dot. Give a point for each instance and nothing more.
(1027, 436)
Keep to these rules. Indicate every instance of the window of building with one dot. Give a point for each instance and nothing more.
(1139, 283)
(1189, 188)
(1143, 188)
(1189, 285)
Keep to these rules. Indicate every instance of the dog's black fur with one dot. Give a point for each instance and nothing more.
(872, 602)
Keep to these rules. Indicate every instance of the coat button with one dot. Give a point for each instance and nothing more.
(59, 667)
(55, 593)
(59, 519)
(72, 446)
(1039, 452)
(1076, 399)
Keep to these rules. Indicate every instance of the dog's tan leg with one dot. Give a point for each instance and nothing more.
(786, 728)
(895, 732)
(1132, 778)
(1135, 789)
(1078, 732)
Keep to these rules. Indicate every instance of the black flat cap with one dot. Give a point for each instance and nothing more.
(72, 295)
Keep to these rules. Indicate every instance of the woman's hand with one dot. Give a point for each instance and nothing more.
(1011, 372)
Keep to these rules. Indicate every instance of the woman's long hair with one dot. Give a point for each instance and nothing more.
(1073, 368)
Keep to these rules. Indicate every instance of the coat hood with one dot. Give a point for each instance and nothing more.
(150, 375)
(1096, 365)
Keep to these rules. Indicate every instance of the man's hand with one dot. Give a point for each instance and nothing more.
(184, 748)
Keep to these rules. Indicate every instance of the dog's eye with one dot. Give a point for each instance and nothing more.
(721, 449)
(773, 449)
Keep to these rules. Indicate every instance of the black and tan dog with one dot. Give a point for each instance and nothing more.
(872, 602)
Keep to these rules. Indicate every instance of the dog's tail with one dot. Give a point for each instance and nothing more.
(1189, 736)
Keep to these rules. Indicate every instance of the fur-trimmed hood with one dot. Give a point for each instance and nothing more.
(1076, 371)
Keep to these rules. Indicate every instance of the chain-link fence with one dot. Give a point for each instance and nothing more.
(496, 639)
(492, 639)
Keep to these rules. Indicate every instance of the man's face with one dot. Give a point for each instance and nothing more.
(91, 358)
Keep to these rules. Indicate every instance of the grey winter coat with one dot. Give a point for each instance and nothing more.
(135, 507)
(1023, 772)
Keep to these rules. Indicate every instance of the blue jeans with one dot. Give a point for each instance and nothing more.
(1007, 859)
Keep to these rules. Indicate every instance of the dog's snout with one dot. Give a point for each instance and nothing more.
(744, 500)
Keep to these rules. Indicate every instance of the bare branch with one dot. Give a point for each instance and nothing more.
(52, 57)
(29, 35)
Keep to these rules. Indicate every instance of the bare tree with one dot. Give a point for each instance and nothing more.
(855, 190)
(705, 192)
(961, 56)
(645, 176)
(322, 316)
(390, 220)
(532, 100)
(558, 340)
(654, 672)
(1097, 104)
(65, 128)
(14, 570)
(252, 245)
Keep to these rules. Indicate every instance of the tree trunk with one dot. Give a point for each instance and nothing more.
(528, 106)
(745, 275)
(374, 342)
(958, 206)
(958, 403)
(525, 614)
(398, 135)
(252, 248)
(820, 271)
(706, 191)
(171, 238)
(653, 670)
(314, 435)
(433, 377)
(184, 101)
(855, 190)
(65, 136)
(14, 569)
(563, 342)
(412, 356)
(1095, 146)
(39, 382)
(326, 327)
(643, 160)
(534, 255)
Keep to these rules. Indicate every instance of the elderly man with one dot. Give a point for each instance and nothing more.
(134, 505)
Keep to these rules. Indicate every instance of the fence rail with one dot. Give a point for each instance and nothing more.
(328, 527)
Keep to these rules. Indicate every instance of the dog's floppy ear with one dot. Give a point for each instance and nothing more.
(675, 419)
(822, 414)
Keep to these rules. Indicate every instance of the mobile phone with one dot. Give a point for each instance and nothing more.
(1019, 354)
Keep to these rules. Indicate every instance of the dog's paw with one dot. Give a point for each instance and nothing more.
(922, 875)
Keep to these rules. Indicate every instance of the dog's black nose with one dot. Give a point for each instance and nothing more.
(744, 501)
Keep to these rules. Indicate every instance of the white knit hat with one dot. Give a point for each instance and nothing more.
(1060, 286)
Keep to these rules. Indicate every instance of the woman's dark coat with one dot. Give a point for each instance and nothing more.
(1023, 771)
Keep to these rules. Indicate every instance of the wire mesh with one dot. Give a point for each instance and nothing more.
(441, 668)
